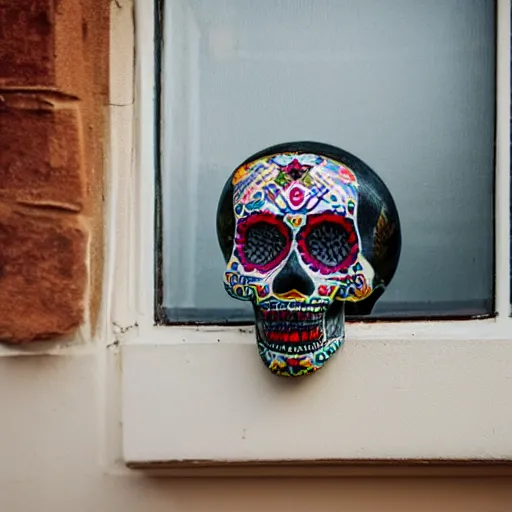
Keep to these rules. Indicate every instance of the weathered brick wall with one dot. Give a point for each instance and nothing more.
(53, 93)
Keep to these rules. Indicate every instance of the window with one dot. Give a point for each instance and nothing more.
(414, 390)
(407, 86)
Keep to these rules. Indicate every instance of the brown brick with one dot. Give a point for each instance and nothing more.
(42, 274)
(41, 157)
(40, 43)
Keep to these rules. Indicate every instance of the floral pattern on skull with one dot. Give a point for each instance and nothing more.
(297, 256)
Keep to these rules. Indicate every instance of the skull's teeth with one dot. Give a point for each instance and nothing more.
(295, 349)
(292, 316)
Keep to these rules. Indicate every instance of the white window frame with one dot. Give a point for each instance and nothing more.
(438, 390)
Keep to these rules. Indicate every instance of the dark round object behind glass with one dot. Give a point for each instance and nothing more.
(377, 219)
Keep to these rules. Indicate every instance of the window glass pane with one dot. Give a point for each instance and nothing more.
(408, 86)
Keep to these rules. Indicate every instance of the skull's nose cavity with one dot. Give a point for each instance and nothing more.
(292, 277)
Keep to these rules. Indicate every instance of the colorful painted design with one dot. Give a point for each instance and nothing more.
(309, 233)
(297, 256)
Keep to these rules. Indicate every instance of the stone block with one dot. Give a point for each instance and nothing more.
(41, 43)
(43, 273)
(41, 156)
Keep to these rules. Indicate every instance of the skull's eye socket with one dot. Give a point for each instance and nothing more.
(262, 242)
(328, 243)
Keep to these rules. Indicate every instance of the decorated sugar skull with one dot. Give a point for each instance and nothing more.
(309, 232)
